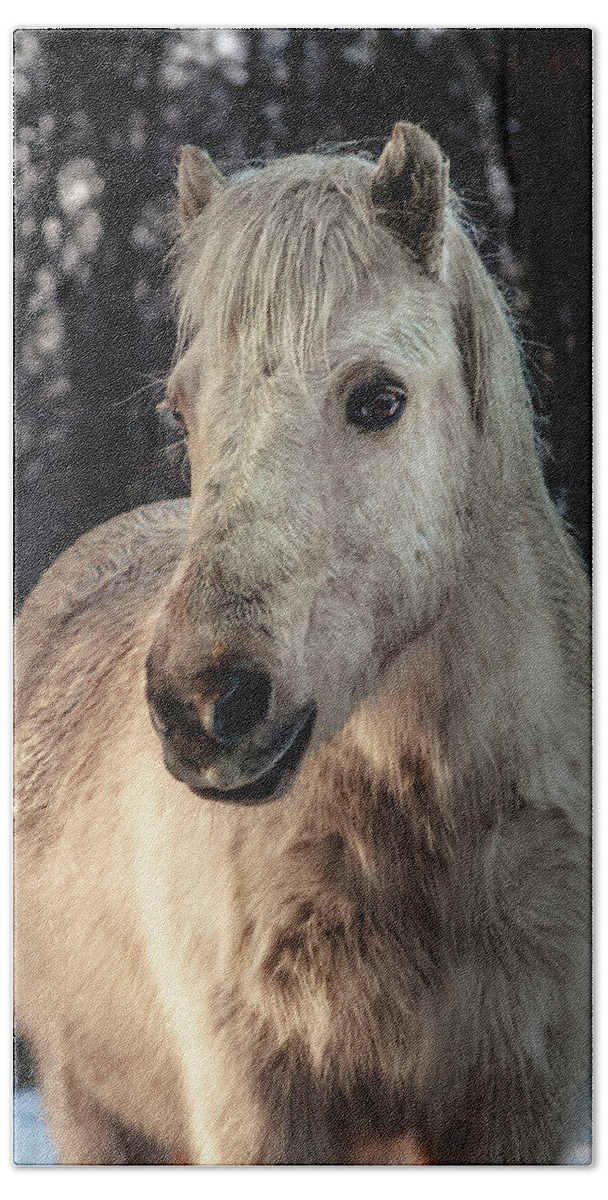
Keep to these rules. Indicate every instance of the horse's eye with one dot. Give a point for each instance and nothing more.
(376, 404)
(179, 421)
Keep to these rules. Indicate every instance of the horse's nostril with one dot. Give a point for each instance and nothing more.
(170, 715)
(242, 704)
(225, 705)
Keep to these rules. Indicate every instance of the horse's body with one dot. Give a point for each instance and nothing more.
(350, 922)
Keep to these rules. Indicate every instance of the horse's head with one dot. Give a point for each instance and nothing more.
(331, 409)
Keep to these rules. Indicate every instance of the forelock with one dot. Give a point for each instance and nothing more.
(277, 255)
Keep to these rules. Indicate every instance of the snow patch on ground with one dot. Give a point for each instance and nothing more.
(31, 1143)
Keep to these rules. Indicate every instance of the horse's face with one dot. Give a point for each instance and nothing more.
(326, 523)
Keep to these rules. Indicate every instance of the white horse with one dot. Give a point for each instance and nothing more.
(331, 903)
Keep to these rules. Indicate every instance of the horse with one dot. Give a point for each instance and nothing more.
(302, 767)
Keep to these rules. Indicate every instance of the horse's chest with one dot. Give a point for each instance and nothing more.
(329, 971)
(336, 985)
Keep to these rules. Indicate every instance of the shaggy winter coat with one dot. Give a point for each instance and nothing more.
(302, 765)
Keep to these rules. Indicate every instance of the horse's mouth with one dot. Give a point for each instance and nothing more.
(273, 782)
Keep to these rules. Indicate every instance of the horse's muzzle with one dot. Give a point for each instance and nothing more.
(218, 733)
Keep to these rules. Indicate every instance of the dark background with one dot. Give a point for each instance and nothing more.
(99, 117)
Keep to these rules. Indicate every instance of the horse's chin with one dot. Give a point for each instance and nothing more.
(273, 783)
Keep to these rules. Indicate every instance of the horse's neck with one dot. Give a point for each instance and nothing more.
(464, 706)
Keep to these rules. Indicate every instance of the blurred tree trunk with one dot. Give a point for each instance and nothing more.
(549, 96)
(98, 439)
(106, 361)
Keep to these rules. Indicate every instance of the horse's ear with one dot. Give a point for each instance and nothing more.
(197, 180)
(410, 192)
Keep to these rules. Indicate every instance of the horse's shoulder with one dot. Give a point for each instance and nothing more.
(99, 587)
(145, 540)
